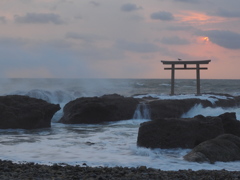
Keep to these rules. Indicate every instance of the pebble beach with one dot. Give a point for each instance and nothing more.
(32, 171)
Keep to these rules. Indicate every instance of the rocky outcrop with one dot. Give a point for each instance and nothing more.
(223, 148)
(230, 123)
(25, 113)
(114, 107)
(186, 132)
(174, 108)
(178, 133)
(99, 109)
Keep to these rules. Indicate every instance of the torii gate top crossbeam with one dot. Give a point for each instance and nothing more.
(186, 62)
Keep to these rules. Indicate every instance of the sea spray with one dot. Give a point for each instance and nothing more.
(142, 111)
(210, 111)
(111, 144)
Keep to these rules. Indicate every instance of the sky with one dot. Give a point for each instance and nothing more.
(118, 38)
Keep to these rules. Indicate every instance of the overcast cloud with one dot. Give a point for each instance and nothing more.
(140, 47)
(174, 40)
(117, 39)
(187, 1)
(3, 19)
(226, 39)
(225, 13)
(162, 15)
(130, 7)
(39, 18)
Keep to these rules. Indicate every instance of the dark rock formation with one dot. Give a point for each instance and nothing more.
(99, 109)
(178, 133)
(115, 107)
(186, 133)
(230, 101)
(223, 148)
(174, 108)
(25, 112)
(230, 124)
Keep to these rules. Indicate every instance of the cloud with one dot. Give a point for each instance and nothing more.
(62, 58)
(162, 15)
(174, 40)
(84, 37)
(94, 3)
(137, 47)
(179, 28)
(3, 19)
(130, 7)
(226, 39)
(25, 58)
(42, 18)
(187, 1)
(8, 43)
(225, 13)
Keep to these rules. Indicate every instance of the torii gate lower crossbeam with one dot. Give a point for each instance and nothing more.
(185, 63)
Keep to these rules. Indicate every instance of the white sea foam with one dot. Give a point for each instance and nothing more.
(209, 111)
(107, 144)
(110, 144)
(142, 112)
(210, 97)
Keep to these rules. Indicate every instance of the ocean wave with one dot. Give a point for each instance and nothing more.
(56, 96)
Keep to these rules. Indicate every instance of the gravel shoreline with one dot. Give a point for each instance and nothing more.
(31, 171)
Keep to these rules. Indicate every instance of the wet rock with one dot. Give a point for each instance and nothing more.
(178, 132)
(25, 113)
(174, 108)
(99, 109)
(224, 148)
(230, 124)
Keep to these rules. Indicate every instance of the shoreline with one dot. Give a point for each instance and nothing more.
(10, 170)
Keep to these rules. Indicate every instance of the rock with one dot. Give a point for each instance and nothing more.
(224, 148)
(178, 132)
(25, 113)
(99, 109)
(186, 133)
(230, 124)
(174, 108)
(230, 101)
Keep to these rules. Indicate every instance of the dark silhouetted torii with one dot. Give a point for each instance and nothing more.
(185, 63)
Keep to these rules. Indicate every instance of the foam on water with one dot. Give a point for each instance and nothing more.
(142, 112)
(208, 111)
(210, 97)
(107, 144)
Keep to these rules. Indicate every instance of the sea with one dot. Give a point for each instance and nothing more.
(109, 144)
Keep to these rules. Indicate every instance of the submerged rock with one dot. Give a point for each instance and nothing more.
(25, 113)
(99, 109)
(178, 132)
(224, 148)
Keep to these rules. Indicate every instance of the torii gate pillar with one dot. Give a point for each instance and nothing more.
(185, 63)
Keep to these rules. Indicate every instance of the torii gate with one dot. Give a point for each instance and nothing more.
(185, 63)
